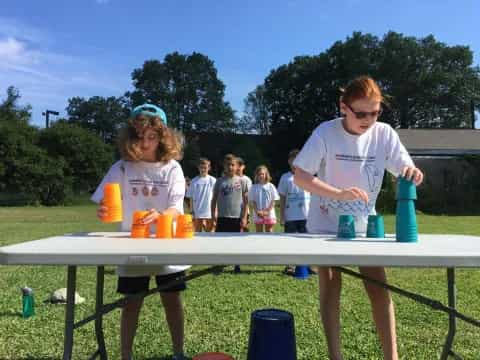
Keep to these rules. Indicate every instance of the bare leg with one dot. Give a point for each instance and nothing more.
(128, 326)
(268, 228)
(172, 302)
(258, 227)
(330, 286)
(198, 224)
(383, 311)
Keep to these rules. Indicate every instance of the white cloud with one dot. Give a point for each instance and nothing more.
(46, 78)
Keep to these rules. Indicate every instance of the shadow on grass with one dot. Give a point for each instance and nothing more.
(12, 314)
(32, 358)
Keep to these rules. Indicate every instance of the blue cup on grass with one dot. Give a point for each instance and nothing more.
(375, 226)
(272, 335)
(301, 272)
(346, 227)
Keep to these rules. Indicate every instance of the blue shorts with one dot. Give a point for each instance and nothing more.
(138, 284)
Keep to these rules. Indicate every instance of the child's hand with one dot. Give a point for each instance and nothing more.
(101, 210)
(353, 193)
(412, 173)
(150, 217)
(243, 223)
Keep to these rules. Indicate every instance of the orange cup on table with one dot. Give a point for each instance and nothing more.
(184, 227)
(139, 230)
(112, 200)
(164, 226)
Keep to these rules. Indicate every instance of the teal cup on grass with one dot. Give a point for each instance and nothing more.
(346, 227)
(375, 226)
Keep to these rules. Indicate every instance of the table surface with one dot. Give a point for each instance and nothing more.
(117, 248)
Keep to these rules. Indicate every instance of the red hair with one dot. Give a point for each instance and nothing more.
(360, 88)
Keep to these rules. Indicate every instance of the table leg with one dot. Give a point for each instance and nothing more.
(69, 313)
(99, 316)
(452, 319)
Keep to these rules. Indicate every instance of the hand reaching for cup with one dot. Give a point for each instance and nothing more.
(353, 193)
(413, 173)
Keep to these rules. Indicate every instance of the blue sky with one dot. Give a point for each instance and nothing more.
(53, 50)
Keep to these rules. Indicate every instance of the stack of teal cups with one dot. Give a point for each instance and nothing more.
(406, 220)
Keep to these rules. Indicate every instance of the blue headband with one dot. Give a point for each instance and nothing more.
(150, 110)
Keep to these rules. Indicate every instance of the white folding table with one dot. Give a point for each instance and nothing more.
(117, 248)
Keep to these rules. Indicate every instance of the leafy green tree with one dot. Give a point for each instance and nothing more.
(188, 89)
(27, 173)
(103, 116)
(257, 116)
(10, 110)
(86, 157)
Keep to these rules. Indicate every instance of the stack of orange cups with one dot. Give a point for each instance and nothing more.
(164, 226)
(112, 200)
(184, 226)
(139, 230)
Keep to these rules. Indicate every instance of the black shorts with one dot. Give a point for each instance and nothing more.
(138, 284)
(228, 224)
(296, 226)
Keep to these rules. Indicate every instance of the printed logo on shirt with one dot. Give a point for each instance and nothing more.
(345, 157)
(230, 189)
(145, 191)
(154, 191)
(134, 191)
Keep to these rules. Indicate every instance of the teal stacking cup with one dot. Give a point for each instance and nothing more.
(375, 226)
(346, 227)
(406, 222)
(406, 189)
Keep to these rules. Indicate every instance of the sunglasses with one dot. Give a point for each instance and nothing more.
(364, 114)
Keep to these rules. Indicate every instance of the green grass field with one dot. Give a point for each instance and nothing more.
(218, 307)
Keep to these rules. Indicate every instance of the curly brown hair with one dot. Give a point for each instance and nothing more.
(170, 141)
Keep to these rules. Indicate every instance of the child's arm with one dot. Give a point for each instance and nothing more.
(282, 209)
(243, 216)
(316, 186)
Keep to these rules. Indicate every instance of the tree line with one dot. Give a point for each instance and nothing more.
(428, 85)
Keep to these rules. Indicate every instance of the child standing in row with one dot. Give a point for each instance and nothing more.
(342, 164)
(241, 172)
(150, 179)
(294, 204)
(262, 196)
(199, 194)
(230, 199)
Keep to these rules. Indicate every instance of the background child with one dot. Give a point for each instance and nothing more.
(200, 195)
(294, 204)
(230, 197)
(349, 156)
(150, 179)
(241, 172)
(262, 196)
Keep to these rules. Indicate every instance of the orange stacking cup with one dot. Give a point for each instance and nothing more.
(184, 227)
(140, 230)
(112, 200)
(164, 226)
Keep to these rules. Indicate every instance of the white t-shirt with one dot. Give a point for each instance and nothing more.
(297, 200)
(344, 160)
(200, 192)
(247, 180)
(145, 185)
(263, 195)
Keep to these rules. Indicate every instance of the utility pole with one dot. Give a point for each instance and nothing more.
(47, 113)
